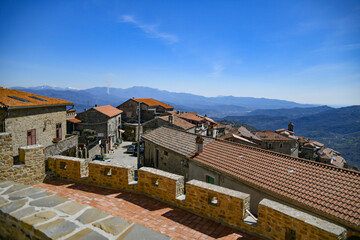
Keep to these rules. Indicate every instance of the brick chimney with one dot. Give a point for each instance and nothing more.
(199, 143)
(171, 119)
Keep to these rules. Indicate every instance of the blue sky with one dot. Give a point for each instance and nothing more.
(304, 51)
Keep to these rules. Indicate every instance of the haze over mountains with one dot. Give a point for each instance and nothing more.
(337, 128)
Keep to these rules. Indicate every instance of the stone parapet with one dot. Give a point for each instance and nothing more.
(216, 202)
(62, 146)
(275, 221)
(68, 167)
(159, 184)
(32, 159)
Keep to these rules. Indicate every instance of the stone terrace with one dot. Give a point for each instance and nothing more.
(151, 213)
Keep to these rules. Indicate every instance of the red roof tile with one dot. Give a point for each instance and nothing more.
(179, 122)
(152, 102)
(271, 136)
(74, 120)
(17, 99)
(108, 110)
(318, 186)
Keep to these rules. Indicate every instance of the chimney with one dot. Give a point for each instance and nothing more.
(85, 110)
(95, 105)
(171, 119)
(291, 127)
(199, 144)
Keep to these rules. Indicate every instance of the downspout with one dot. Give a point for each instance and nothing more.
(7, 115)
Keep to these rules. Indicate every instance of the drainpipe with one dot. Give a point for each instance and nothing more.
(7, 115)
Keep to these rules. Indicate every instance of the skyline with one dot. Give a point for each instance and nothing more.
(304, 52)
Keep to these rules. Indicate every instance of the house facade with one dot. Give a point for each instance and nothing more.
(278, 143)
(31, 118)
(167, 149)
(105, 121)
(150, 108)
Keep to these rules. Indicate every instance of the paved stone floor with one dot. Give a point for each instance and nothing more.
(158, 216)
(119, 155)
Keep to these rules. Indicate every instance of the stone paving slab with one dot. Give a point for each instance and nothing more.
(53, 217)
(141, 232)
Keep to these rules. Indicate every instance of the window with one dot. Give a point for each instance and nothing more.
(270, 146)
(210, 179)
(165, 153)
(31, 137)
(290, 234)
(213, 200)
(281, 145)
(58, 131)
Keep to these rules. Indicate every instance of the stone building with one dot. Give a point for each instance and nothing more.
(31, 118)
(276, 142)
(241, 135)
(105, 121)
(324, 190)
(170, 120)
(150, 108)
(168, 149)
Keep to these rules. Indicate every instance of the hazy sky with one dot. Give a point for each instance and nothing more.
(304, 51)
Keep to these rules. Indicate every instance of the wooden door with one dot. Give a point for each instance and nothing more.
(31, 137)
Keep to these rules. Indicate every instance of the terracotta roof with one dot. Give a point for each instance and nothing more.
(232, 135)
(108, 110)
(74, 120)
(71, 110)
(247, 134)
(268, 135)
(152, 102)
(179, 122)
(178, 141)
(191, 116)
(331, 190)
(16, 99)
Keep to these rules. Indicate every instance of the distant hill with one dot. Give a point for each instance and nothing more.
(289, 112)
(212, 106)
(336, 128)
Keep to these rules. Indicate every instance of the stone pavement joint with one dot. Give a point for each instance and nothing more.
(158, 216)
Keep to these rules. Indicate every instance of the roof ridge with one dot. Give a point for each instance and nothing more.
(290, 157)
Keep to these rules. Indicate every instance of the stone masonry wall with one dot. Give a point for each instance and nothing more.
(276, 220)
(32, 159)
(44, 122)
(65, 145)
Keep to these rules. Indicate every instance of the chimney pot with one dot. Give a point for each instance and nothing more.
(199, 143)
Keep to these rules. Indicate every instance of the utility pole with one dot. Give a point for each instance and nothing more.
(139, 137)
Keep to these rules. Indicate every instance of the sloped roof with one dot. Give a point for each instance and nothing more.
(74, 120)
(178, 141)
(17, 99)
(191, 116)
(152, 102)
(108, 110)
(179, 122)
(268, 135)
(333, 191)
(247, 134)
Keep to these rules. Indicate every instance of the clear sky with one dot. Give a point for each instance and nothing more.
(304, 51)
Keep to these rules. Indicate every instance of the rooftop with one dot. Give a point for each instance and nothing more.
(178, 141)
(247, 134)
(17, 99)
(179, 122)
(268, 135)
(319, 187)
(108, 110)
(152, 102)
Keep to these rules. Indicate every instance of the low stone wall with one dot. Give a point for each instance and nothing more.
(68, 167)
(32, 167)
(276, 221)
(31, 213)
(93, 151)
(68, 145)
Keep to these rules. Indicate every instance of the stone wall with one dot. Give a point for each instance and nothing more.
(67, 146)
(276, 220)
(43, 120)
(32, 159)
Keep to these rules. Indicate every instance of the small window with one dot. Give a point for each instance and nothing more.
(281, 145)
(290, 234)
(40, 99)
(107, 172)
(58, 131)
(155, 182)
(165, 153)
(213, 200)
(270, 146)
(63, 165)
(210, 179)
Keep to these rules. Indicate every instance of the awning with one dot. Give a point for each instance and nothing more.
(74, 120)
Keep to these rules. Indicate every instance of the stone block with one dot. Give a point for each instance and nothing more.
(50, 201)
(87, 234)
(113, 225)
(39, 218)
(91, 215)
(140, 232)
(55, 229)
(70, 208)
